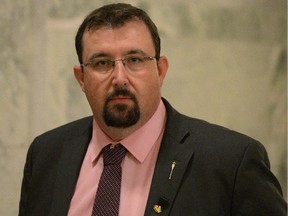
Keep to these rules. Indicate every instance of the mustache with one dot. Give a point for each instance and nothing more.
(120, 91)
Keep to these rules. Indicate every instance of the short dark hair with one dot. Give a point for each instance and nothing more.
(116, 15)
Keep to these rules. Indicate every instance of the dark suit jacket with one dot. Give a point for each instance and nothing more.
(218, 171)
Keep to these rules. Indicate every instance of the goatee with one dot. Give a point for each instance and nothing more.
(121, 115)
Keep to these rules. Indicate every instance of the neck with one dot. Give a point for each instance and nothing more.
(118, 134)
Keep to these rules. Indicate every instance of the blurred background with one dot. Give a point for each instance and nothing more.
(228, 65)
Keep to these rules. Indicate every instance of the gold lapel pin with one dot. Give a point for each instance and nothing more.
(157, 209)
(173, 165)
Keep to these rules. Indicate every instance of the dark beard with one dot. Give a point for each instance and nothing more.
(121, 115)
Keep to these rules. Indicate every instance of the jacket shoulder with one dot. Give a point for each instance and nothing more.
(205, 134)
(67, 131)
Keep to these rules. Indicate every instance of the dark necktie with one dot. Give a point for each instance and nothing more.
(108, 193)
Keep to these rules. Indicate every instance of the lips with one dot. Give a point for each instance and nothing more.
(120, 99)
(120, 94)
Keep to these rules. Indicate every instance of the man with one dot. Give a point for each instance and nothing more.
(173, 165)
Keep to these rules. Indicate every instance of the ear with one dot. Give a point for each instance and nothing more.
(79, 75)
(163, 66)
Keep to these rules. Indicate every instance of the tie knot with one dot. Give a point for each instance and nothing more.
(113, 155)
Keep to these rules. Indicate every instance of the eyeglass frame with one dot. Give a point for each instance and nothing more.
(123, 60)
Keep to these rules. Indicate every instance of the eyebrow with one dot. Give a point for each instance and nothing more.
(98, 55)
(104, 54)
(136, 51)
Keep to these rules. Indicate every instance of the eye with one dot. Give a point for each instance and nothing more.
(101, 64)
(134, 60)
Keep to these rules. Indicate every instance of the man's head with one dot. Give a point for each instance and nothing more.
(121, 69)
(113, 16)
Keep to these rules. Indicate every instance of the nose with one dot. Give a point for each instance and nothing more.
(119, 74)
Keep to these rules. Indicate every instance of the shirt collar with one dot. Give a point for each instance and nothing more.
(138, 143)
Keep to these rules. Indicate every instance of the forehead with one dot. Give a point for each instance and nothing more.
(130, 36)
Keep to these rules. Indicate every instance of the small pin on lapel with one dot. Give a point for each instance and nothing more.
(173, 165)
(157, 209)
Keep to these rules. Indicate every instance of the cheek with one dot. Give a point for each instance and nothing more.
(95, 91)
(153, 83)
(149, 91)
(94, 84)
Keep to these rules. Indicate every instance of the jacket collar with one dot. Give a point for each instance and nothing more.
(176, 152)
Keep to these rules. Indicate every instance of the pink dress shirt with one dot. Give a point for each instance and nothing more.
(137, 168)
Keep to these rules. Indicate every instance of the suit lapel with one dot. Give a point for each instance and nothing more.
(177, 146)
(73, 153)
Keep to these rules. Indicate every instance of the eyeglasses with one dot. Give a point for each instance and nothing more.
(105, 65)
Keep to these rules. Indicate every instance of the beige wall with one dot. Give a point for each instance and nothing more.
(227, 66)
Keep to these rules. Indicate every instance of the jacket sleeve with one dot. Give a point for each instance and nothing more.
(27, 174)
(256, 189)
